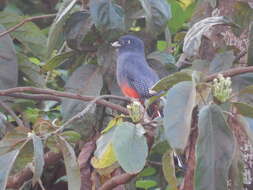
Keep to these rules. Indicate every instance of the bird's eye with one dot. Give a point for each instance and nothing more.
(129, 41)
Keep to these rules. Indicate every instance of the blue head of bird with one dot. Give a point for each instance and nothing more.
(129, 43)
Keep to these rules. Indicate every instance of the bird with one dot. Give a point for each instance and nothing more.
(134, 76)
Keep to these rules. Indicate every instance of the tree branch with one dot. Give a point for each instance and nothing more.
(230, 73)
(117, 180)
(12, 113)
(18, 179)
(42, 92)
(38, 97)
(25, 21)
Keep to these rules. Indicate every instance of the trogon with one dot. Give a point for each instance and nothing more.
(134, 76)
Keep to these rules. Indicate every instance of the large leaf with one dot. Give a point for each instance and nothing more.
(7, 160)
(242, 83)
(242, 15)
(13, 139)
(86, 80)
(77, 27)
(130, 146)
(31, 71)
(104, 155)
(57, 60)
(193, 37)
(71, 165)
(107, 16)
(244, 109)
(169, 169)
(221, 62)
(179, 15)
(158, 13)
(169, 81)
(215, 150)
(164, 58)
(8, 62)
(178, 112)
(55, 38)
(29, 35)
(38, 158)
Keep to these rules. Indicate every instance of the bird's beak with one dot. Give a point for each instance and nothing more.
(116, 44)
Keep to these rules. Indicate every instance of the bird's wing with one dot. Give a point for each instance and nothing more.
(142, 79)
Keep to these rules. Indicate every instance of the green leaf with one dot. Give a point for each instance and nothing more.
(247, 90)
(29, 35)
(178, 16)
(221, 62)
(31, 71)
(168, 167)
(38, 158)
(147, 172)
(145, 184)
(56, 61)
(55, 38)
(193, 37)
(76, 29)
(104, 156)
(250, 46)
(71, 136)
(158, 13)
(214, 150)
(8, 63)
(130, 146)
(244, 109)
(6, 161)
(13, 139)
(181, 100)
(242, 15)
(164, 58)
(107, 15)
(161, 45)
(25, 155)
(169, 81)
(71, 165)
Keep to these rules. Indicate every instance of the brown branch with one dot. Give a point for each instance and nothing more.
(38, 97)
(117, 180)
(18, 179)
(12, 113)
(11, 91)
(230, 73)
(25, 21)
(188, 182)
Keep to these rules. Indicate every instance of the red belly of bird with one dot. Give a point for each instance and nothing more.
(130, 92)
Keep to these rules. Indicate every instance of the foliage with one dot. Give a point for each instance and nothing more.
(70, 53)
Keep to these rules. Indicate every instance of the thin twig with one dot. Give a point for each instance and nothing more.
(25, 21)
(82, 113)
(12, 113)
(41, 185)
